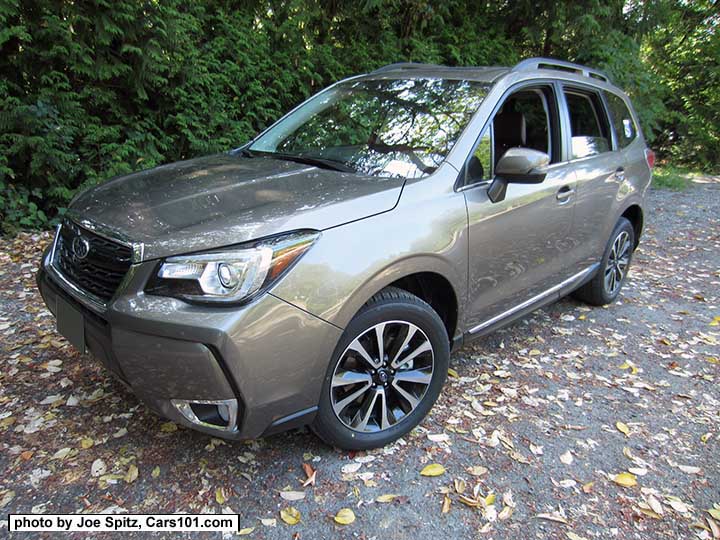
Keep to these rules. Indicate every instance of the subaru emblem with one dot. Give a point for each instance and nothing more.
(80, 247)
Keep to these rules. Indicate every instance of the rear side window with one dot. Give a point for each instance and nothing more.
(622, 120)
(589, 127)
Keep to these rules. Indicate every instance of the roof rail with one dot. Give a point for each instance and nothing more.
(561, 65)
(406, 65)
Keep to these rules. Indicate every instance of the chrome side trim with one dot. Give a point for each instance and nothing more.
(138, 248)
(537, 298)
(73, 290)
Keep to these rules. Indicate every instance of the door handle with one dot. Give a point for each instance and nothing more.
(564, 194)
(620, 174)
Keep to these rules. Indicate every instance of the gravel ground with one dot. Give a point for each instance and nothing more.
(535, 424)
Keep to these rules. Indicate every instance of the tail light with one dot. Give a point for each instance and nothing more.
(650, 158)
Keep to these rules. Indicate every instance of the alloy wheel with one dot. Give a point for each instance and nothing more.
(382, 376)
(617, 263)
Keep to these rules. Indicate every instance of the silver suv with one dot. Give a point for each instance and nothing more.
(322, 273)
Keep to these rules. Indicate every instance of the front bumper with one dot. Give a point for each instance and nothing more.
(268, 355)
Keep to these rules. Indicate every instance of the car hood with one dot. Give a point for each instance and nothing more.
(221, 200)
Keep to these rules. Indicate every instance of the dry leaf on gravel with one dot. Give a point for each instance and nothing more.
(290, 515)
(434, 469)
(625, 479)
(344, 516)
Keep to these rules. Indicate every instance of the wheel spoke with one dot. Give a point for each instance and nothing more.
(358, 348)
(341, 405)
(418, 376)
(380, 338)
(362, 417)
(345, 378)
(412, 400)
(412, 329)
(423, 347)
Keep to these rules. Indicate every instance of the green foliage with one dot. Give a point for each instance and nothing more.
(93, 89)
(672, 178)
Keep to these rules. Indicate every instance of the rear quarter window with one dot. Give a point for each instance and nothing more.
(622, 120)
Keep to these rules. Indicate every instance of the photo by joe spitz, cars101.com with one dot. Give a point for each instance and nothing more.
(321, 274)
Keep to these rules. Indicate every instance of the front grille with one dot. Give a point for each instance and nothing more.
(101, 270)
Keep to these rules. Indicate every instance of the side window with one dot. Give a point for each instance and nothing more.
(589, 127)
(622, 120)
(525, 119)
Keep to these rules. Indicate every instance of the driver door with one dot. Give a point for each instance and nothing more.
(517, 245)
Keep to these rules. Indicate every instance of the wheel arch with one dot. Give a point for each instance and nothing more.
(634, 214)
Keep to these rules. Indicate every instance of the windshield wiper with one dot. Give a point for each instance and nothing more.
(322, 163)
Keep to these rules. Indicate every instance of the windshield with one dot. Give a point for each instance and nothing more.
(378, 127)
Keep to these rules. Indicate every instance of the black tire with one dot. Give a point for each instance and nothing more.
(395, 307)
(596, 292)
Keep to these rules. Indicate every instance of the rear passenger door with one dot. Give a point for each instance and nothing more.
(598, 169)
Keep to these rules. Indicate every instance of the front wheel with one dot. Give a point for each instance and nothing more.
(387, 371)
(605, 286)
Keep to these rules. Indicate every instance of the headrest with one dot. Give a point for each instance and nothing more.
(509, 129)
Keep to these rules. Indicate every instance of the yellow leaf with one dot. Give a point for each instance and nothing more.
(625, 479)
(623, 428)
(132, 474)
(345, 516)
(452, 373)
(445, 505)
(290, 515)
(490, 499)
(86, 443)
(572, 536)
(434, 469)
(155, 472)
(168, 427)
(714, 512)
(390, 497)
(477, 470)
(220, 496)
(246, 531)
(715, 321)
(587, 488)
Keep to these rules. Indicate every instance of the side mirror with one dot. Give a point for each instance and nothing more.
(517, 166)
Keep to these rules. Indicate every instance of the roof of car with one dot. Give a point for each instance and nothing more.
(487, 73)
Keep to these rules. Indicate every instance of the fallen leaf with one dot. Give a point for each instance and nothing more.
(310, 473)
(452, 373)
(390, 497)
(555, 516)
(351, 468)
(623, 428)
(268, 522)
(445, 505)
(7, 498)
(587, 488)
(86, 443)
(567, 458)
(155, 472)
(220, 497)
(62, 453)
(245, 531)
(168, 427)
(290, 515)
(131, 474)
(344, 517)
(688, 469)
(714, 512)
(434, 469)
(98, 467)
(572, 536)
(714, 528)
(477, 470)
(292, 495)
(438, 437)
(625, 479)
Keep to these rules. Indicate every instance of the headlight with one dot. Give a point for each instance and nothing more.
(233, 274)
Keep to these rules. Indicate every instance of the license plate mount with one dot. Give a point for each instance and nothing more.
(71, 324)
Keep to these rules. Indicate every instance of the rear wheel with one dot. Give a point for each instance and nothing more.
(387, 371)
(605, 286)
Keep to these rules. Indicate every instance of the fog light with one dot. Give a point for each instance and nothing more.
(215, 414)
